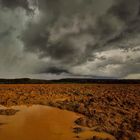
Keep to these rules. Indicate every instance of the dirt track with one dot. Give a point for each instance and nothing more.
(114, 109)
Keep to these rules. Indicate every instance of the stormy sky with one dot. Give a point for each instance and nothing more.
(51, 39)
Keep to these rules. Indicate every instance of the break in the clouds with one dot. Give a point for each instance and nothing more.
(70, 38)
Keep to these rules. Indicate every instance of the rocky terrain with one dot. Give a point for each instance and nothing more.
(110, 108)
(8, 112)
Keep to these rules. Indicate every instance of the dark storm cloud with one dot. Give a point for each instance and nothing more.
(70, 21)
(102, 27)
(119, 21)
(66, 35)
(12, 4)
(62, 50)
(35, 38)
(54, 70)
(126, 10)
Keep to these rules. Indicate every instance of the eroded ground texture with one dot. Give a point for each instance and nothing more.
(113, 109)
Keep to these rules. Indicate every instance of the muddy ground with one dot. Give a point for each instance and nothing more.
(113, 109)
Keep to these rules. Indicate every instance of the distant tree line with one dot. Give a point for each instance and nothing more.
(69, 80)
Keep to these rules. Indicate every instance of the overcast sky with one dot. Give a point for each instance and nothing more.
(51, 39)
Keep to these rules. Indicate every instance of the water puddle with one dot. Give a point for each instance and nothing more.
(38, 123)
(43, 123)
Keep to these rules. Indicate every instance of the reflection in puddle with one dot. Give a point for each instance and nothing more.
(38, 123)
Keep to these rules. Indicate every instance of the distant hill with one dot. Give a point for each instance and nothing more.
(69, 80)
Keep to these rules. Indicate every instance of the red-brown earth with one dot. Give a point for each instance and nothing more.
(108, 108)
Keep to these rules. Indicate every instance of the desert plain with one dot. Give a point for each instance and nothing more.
(70, 111)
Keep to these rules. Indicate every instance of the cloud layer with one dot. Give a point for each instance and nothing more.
(65, 38)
